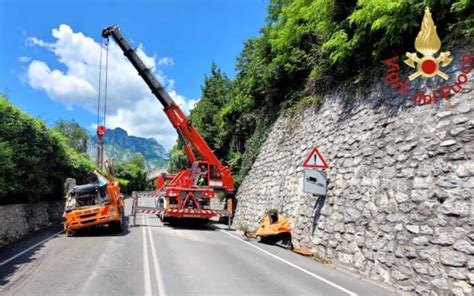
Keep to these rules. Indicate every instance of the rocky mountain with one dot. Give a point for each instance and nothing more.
(121, 146)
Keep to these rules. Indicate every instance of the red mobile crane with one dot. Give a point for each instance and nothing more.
(186, 194)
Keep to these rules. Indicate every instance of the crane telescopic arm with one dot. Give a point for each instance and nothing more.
(156, 88)
(174, 113)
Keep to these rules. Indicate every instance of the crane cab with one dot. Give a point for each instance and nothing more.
(206, 174)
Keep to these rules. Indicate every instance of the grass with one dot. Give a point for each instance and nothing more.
(243, 227)
(295, 108)
(6, 241)
(316, 257)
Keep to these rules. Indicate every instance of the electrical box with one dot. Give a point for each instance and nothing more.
(315, 182)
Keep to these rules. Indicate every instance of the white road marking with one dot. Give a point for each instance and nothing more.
(156, 265)
(29, 249)
(291, 264)
(146, 266)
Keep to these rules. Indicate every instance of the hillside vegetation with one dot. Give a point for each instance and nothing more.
(34, 160)
(306, 48)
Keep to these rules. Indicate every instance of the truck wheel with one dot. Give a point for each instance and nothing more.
(171, 220)
(120, 225)
(164, 219)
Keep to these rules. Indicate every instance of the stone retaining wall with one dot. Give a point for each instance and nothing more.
(20, 219)
(399, 208)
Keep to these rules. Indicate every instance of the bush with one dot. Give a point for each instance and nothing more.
(34, 160)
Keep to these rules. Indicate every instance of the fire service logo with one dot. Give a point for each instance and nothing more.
(427, 43)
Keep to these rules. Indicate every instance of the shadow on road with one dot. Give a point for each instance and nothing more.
(191, 224)
(9, 268)
(186, 224)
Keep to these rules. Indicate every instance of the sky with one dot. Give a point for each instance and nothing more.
(50, 53)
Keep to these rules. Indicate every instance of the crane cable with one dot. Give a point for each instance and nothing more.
(101, 128)
(106, 77)
(100, 80)
(106, 43)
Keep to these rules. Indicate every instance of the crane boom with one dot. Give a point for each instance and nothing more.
(186, 132)
(156, 88)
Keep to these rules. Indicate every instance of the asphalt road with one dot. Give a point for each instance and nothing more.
(157, 259)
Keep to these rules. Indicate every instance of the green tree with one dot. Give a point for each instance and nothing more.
(178, 159)
(76, 136)
(131, 174)
(138, 160)
(205, 115)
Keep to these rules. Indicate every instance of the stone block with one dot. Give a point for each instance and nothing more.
(420, 268)
(443, 239)
(464, 246)
(466, 288)
(452, 258)
(455, 207)
(429, 254)
(456, 273)
(440, 283)
(425, 229)
(420, 241)
(351, 215)
(398, 275)
(413, 228)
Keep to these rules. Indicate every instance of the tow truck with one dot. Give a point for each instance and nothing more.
(186, 194)
(97, 203)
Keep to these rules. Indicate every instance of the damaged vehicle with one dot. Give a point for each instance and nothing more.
(99, 202)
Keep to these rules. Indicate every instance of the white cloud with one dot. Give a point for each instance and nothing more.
(68, 89)
(32, 41)
(166, 61)
(24, 59)
(191, 104)
(170, 84)
(130, 102)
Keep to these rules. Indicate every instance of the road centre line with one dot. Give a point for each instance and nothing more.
(146, 266)
(156, 265)
(291, 264)
(29, 249)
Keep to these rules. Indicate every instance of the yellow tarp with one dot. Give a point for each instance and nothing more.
(281, 226)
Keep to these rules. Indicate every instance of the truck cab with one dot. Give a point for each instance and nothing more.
(98, 202)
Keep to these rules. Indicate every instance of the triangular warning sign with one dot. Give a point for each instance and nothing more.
(315, 160)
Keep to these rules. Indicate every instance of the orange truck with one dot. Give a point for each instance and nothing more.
(97, 203)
